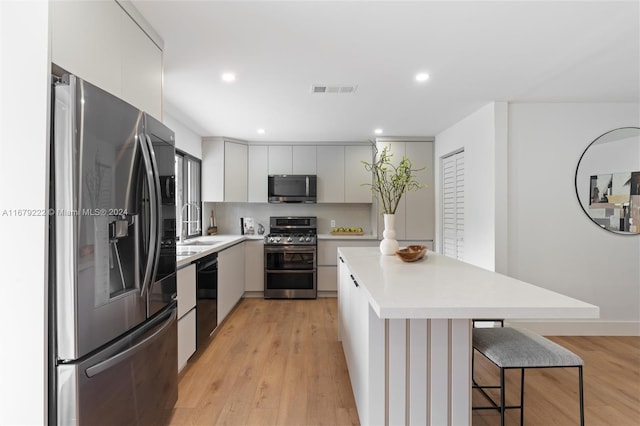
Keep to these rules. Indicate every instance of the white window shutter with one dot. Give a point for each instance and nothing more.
(453, 205)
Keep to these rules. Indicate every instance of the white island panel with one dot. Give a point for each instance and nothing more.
(409, 352)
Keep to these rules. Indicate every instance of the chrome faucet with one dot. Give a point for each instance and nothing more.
(183, 228)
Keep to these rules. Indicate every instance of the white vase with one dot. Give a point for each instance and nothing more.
(389, 245)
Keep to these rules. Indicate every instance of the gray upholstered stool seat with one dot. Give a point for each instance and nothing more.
(510, 348)
(519, 348)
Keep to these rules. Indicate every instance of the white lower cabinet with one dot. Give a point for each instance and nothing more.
(186, 314)
(362, 336)
(327, 266)
(186, 338)
(254, 266)
(327, 278)
(230, 279)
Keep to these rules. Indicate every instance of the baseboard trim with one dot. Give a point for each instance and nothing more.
(260, 294)
(580, 328)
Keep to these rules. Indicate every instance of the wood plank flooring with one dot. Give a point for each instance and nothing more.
(278, 362)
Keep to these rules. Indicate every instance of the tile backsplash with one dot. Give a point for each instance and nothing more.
(345, 214)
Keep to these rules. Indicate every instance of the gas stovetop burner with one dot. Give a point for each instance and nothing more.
(289, 230)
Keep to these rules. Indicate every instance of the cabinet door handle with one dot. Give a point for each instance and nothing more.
(341, 259)
(354, 281)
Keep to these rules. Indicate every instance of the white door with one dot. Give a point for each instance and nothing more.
(453, 205)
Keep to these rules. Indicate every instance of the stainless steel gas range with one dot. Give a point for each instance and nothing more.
(290, 258)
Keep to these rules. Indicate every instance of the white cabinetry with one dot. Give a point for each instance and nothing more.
(224, 170)
(292, 159)
(327, 265)
(257, 174)
(304, 160)
(330, 164)
(359, 333)
(280, 159)
(186, 314)
(141, 69)
(355, 174)
(230, 279)
(100, 43)
(415, 216)
(254, 266)
(341, 174)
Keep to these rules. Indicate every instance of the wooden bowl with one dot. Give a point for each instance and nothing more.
(412, 253)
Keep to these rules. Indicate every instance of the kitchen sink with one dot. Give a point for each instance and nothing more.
(186, 252)
(198, 243)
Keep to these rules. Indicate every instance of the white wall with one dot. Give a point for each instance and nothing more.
(186, 139)
(552, 243)
(482, 135)
(24, 85)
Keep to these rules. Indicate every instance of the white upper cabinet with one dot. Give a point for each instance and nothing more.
(420, 205)
(292, 159)
(224, 170)
(330, 163)
(99, 42)
(258, 173)
(304, 160)
(84, 41)
(236, 171)
(355, 175)
(141, 69)
(415, 216)
(341, 173)
(280, 160)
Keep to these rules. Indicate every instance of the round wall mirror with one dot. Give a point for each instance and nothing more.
(608, 180)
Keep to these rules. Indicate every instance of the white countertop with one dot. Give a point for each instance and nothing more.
(440, 287)
(220, 242)
(347, 237)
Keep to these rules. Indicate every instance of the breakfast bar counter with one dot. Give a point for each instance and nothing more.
(406, 330)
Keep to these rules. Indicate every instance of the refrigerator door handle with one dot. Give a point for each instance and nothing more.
(158, 200)
(153, 219)
(116, 359)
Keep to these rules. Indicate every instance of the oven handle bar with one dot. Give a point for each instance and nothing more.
(290, 271)
(285, 249)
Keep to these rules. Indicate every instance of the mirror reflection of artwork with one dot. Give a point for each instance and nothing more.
(610, 201)
(608, 181)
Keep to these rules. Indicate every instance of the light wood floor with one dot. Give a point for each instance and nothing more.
(278, 362)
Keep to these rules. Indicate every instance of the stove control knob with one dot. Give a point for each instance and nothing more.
(289, 240)
(277, 239)
(301, 238)
(308, 239)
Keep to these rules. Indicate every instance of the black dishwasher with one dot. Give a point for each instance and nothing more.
(206, 298)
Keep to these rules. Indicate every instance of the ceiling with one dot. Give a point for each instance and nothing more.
(474, 52)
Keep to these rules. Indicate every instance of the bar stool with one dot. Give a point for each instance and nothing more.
(512, 348)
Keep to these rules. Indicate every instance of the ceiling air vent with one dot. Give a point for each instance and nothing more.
(333, 88)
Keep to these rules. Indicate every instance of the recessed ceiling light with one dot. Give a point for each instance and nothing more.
(378, 131)
(228, 77)
(260, 131)
(422, 77)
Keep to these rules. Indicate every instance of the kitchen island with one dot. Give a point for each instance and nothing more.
(406, 330)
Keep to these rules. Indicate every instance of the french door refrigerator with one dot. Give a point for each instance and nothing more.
(112, 261)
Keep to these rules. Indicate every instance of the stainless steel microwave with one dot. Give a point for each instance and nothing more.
(292, 188)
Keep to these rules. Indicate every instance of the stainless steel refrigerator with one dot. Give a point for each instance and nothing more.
(113, 332)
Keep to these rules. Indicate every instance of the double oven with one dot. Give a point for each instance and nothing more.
(290, 252)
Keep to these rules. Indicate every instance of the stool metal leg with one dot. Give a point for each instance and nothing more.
(521, 396)
(502, 398)
(581, 396)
